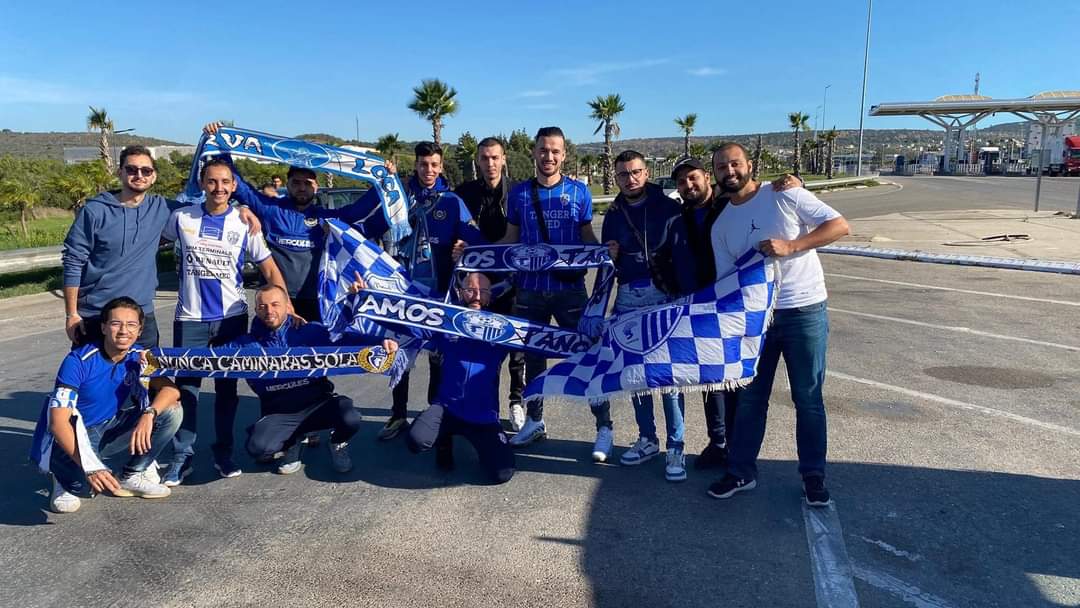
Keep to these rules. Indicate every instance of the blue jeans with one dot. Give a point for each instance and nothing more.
(207, 333)
(111, 437)
(566, 306)
(800, 335)
(674, 411)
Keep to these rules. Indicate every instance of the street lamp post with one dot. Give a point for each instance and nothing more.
(824, 101)
(865, 65)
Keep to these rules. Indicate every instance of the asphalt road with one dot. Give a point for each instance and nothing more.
(953, 404)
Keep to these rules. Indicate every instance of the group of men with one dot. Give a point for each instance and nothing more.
(662, 249)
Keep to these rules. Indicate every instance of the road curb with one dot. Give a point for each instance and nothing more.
(1055, 266)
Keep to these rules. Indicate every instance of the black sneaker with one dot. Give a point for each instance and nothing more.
(392, 428)
(712, 457)
(815, 492)
(730, 486)
(226, 466)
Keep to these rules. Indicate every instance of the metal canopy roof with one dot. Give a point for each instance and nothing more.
(953, 105)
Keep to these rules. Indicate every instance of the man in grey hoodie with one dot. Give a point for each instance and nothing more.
(111, 248)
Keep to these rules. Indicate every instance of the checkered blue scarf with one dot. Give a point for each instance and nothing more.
(707, 341)
(354, 164)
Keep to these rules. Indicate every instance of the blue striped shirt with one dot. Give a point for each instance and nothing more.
(566, 207)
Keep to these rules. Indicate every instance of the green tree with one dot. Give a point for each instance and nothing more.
(799, 122)
(467, 146)
(433, 100)
(687, 124)
(388, 146)
(22, 195)
(830, 141)
(99, 119)
(605, 109)
(699, 151)
(78, 182)
(520, 141)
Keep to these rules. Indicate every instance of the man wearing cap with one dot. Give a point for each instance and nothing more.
(788, 226)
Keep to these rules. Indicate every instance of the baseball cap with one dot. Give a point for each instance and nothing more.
(686, 163)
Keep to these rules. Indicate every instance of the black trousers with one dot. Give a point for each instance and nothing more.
(400, 392)
(308, 308)
(720, 415)
(435, 425)
(515, 363)
(277, 431)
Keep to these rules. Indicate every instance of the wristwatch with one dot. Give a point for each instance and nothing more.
(153, 413)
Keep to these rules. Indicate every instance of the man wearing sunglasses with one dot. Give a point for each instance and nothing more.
(111, 249)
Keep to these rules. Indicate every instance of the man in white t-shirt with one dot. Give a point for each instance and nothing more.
(788, 226)
(211, 307)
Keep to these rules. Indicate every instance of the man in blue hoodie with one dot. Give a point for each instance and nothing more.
(440, 220)
(467, 401)
(111, 250)
(291, 407)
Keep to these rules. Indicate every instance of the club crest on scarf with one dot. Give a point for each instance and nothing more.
(530, 258)
(484, 326)
(641, 333)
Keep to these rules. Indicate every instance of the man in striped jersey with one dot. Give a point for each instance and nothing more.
(211, 308)
(566, 209)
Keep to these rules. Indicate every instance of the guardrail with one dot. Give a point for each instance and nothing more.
(22, 260)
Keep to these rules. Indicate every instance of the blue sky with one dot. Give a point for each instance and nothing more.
(293, 67)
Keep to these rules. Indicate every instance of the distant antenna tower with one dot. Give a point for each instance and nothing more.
(975, 130)
(976, 83)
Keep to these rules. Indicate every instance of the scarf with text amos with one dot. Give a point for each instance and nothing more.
(421, 315)
(707, 341)
(266, 363)
(354, 164)
(542, 257)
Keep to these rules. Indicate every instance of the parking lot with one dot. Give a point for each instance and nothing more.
(953, 401)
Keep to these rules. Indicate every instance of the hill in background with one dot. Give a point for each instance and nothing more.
(51, 145)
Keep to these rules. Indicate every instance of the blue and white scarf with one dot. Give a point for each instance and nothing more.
(353, 164)
(423, 315)
(707, 341)
(259, 362)
(543, 257)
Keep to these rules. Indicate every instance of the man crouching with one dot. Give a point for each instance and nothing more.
(100, 407)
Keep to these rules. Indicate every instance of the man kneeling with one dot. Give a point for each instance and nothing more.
(294, 407)
(468, 398)
(99, 408)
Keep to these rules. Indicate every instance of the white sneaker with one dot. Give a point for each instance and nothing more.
(62, 501)
(517, 416)
(140, 484)
(642, 450)
(152, 472)
(532, 430)
(605, 439)
(676, 465)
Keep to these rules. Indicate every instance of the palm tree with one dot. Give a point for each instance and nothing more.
(687, 124)
(605, 109)
(99, 119)
(799, 122)
(585, 165)
(699, 151)
(22, 195)
(830, 138)
(757, 159)
(433, 100)
(388, 145)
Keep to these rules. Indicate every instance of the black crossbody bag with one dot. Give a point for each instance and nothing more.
(562, 276)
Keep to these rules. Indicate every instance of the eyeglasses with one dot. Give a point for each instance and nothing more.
(472, 292)
(132, 171)
(626, 174)
(130, 325)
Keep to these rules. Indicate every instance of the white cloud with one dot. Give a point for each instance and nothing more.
(532, 94)
(706, 71)
(541, 106)
(15, 90)
(590, 73)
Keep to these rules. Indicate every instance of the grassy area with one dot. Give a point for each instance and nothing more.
(30, 282)
(44, 231)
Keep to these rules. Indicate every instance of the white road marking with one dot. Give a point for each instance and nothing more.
(833, 583)
(891, 549)
(969, 291)
(958, 404)
(958, 329)
(905, 591)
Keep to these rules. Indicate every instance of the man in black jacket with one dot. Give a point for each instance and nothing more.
(486, 199)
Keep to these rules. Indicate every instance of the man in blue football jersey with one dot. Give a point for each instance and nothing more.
(99, 407)
(211, 307)
(555, 209)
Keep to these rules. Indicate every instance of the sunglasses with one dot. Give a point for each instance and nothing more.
(132, 171)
